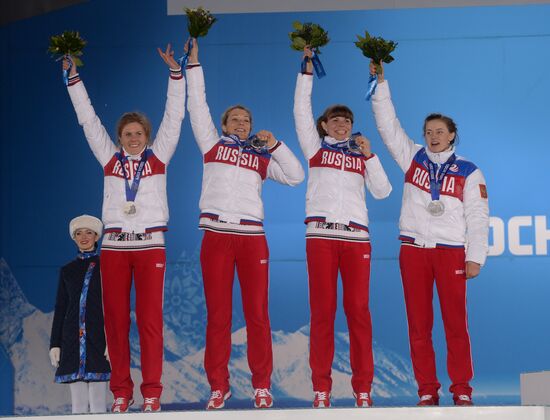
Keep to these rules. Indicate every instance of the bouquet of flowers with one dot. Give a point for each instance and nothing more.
(200, 21)
(376, 48)
(312, 35)
(308, 34)
(68, 43)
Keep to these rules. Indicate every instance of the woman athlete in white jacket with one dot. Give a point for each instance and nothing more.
(235, 168)
(337, 236)
(135, 215)
(444, 228)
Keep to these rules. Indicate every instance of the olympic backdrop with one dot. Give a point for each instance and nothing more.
(487, 67)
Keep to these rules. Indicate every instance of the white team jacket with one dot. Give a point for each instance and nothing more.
(151, 201)
(233, 176)
(466, 218)
(336, 183)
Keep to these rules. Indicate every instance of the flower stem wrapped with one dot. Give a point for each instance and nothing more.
(68, 43)
(308, 34)
(200, 21)
(376, 48)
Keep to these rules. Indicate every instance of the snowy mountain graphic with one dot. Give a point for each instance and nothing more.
(25, 336)
(25, 332)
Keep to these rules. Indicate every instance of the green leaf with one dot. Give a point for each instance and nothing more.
(67, 43)
(308, 34)
(298, 43)
(376, 48)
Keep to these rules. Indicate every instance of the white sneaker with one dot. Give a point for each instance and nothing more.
(322, 399)
(263, 398)
(362, 399)
(217, 399)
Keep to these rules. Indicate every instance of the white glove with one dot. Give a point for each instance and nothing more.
(55, 353)
(107, 354)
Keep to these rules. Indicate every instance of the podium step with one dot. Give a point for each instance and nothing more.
(385, 413)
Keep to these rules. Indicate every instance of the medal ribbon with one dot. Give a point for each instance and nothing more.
(245, 144)
(234, 139)
(436, 179)
(183, 59)
(317, 65)
(131, 190)
(373, 82)
(344, 145)
(66, 72)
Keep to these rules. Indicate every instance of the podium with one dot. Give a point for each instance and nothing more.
(535, 388)
(383, 413)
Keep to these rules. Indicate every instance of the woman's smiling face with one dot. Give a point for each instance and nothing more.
(238, 123)
(338, 128)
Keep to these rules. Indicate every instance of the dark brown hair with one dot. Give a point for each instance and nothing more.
(337, 110)
(130, 117)
(451, 125)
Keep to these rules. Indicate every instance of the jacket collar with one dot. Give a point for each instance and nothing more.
(440, 157)
(333, 142)
(137, 156)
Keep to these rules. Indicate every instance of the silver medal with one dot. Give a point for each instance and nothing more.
(436, 208)
(130, 208)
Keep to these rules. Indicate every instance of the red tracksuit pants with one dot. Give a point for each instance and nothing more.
(148, 268)
(419, 268)
(324, 258)
(220, 254)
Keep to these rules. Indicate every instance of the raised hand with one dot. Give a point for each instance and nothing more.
(364, 145)
(194, 53)
(68, 62)
(372, 69)
(168, 57)
(268, 137)
(308, 53)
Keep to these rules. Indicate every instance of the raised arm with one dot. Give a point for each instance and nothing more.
(203, 127)
(169, 130)
(283, 167)
(96, 135)
(303, 115)
(401, 147)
